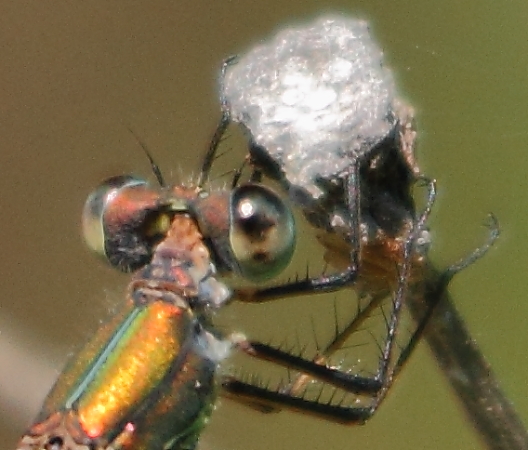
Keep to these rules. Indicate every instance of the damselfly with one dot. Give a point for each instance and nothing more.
(148, 378)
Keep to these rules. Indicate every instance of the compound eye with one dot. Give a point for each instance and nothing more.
(262, 232)
(122, 220)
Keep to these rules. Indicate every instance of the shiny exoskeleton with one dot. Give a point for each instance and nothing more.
(147, 378)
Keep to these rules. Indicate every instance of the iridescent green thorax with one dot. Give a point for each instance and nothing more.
(145, 381)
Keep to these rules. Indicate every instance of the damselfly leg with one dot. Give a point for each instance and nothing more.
(405, 256)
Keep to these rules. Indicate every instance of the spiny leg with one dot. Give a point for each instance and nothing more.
(386, 371)
(298, 384)
(375, 387)
(436, 294)
(221, 128)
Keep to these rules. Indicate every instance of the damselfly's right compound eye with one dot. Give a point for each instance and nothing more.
(122, 220)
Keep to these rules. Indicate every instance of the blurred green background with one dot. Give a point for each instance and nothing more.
(75, 75)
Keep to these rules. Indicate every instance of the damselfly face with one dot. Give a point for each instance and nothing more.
(249, 228)
(147, 378)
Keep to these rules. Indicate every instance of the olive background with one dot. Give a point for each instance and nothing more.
(74, 76)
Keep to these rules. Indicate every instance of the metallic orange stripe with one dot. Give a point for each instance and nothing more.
(133, 369)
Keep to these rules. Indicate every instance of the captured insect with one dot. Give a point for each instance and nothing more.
(149, 377)
(323, 118)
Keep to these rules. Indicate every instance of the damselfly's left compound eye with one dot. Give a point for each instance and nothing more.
(262, 232)
(122, 220)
